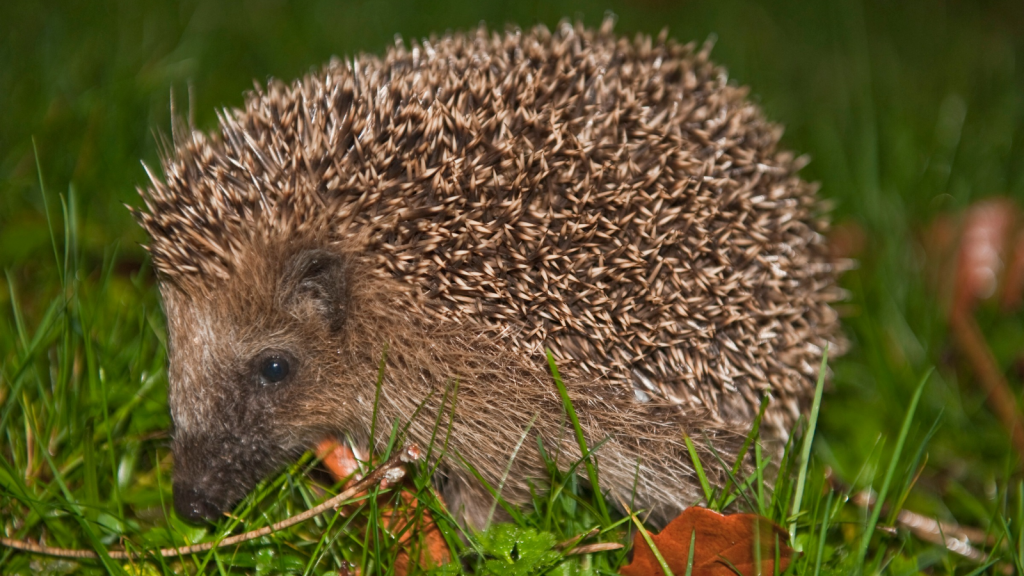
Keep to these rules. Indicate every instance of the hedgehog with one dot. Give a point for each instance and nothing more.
(409, 238)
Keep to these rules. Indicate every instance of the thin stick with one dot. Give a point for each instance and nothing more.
(591, 548)
(571, 546)
(954, 537)
(572, 542)
(392, 471)
(1001, 398)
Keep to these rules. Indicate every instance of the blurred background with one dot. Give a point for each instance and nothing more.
(911, 111)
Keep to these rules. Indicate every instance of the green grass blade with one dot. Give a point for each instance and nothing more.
(752, 437)
(508, 467)
(512, 511)
(784, 484)
(448, 431)
(709, 494)
(654, 549)
(876, 510)
(759, 478)
(805, 450)
(376, 402)
(571, 411)
(731, 566)
(721, 501)
(689, 553)
(823, 532)
(46, 208)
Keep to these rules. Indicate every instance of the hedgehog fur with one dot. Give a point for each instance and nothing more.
(481, 198)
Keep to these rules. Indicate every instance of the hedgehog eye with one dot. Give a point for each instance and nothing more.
(274, 369)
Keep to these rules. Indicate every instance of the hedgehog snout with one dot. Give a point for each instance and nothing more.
(214, 468)
(192, 504)
(205, 490)
(208, 476)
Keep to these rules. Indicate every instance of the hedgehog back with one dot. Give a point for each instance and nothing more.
(616, 201)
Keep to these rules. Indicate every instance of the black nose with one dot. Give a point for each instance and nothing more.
(193, 504)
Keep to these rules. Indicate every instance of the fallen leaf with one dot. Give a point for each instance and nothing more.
(422, 540)
(339, 459)
(984, 249)
(723, 543)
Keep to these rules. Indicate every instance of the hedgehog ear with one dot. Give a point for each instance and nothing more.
(318, 281)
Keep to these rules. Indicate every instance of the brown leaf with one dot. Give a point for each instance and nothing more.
(721, 540)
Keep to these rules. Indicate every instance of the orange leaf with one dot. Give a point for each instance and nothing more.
(721, 540)
(424, 540)
(339, 459)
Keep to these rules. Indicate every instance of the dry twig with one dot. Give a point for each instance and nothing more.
(955, 538)
(1001, 398)
(392, 471)
(598, 547)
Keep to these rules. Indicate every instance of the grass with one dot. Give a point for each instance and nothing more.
(908, 109)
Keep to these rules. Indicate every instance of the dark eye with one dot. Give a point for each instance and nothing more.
(274, 369)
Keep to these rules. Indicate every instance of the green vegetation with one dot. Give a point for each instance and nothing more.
(908, 109)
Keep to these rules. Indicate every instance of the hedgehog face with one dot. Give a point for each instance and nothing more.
(246, 358)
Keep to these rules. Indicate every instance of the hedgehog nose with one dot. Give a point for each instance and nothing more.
(193, 505)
